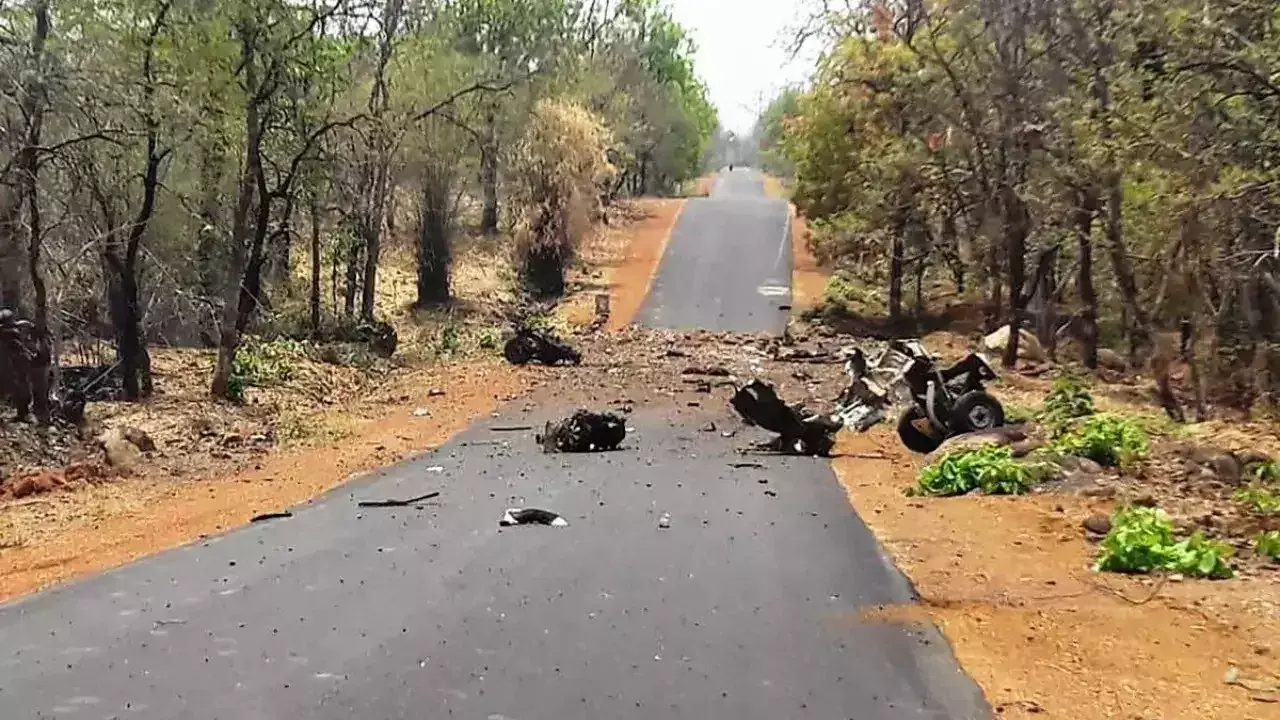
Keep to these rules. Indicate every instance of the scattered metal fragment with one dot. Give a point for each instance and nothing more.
(798, 433)
(531, 516)
(584, 431)
(534, 344)
(511, 428)
(397, 503)
(664, 522)
(271, 516)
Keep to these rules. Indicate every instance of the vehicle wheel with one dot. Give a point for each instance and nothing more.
(916, 439)
(976, 411)
(517, 351)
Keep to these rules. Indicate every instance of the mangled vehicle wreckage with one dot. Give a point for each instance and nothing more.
(939, 402)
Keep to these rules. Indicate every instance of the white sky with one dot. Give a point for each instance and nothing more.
(741, 52)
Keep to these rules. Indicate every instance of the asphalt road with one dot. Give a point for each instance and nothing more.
(748, 606)
(728, 262)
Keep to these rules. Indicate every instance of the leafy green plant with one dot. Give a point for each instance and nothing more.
(993, 470)
(1142, 541)
(1259, 498)
(450, 340)
(1068, 400)
(261, 363)
(1268, 544)
(1268, 471)
(1109, 440)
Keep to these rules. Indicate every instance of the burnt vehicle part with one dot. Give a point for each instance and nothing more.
(941, 402)
(799, 433)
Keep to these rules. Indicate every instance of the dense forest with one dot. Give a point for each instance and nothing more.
(171, 170)
(1102, 171)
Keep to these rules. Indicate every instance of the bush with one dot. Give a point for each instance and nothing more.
(1259, 498)
(1268, 544)
(990, 469)
(1068, 400)
(264, 364)
(1142, 541)
(1267, 472)
(561, 169)
(1109, 440)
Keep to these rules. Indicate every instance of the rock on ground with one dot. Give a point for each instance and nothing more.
(1029, 347)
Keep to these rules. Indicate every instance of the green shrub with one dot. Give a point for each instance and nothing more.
(1268, 471)
(1259, 498)
(1269, 544)
(1109, 440)
(264, 364)
(990, 469)
(1142, 541)
(1068, 400)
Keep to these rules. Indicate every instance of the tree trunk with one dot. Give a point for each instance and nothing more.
(314, 296)
(229, 333)
(1139, 319)
(353, 274)
(207, 249)
(434, 246)
(1016, 228)
(897, 262)
(489, 174)
(11, 253)
(29, 168)
(1086, 211)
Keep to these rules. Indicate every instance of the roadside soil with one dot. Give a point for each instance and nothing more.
(215, 467)
(1009, 582)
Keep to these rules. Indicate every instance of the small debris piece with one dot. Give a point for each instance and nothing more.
(709, 427)
(741, 465)
(397, 503)
(713, 371)
(435, 392)
(271, 516)
(422, 412)
(584, 431)
(532, 344)
(436, 469)
(512, 428)
(664, 522)
(531, 516)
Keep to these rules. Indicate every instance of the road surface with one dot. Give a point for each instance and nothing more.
(748, 606)
(728, 262)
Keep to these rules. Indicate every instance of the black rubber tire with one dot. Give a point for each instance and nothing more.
(517, 351)
(912, 437)
(976, 411)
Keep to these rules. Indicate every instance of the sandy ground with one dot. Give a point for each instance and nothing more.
(207, 482)
(1009, 582)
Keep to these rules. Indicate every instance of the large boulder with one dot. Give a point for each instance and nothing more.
(997, 437)
(1029, 347)
(122, 455)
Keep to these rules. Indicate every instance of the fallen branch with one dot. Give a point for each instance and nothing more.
(397, 503)
(1151, 596)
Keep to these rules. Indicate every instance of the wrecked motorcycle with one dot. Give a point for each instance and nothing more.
(941, 402)
(532, 344)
